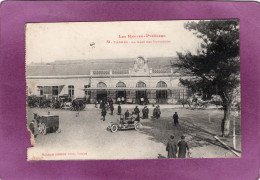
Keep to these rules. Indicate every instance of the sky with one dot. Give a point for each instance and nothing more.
(48, 42)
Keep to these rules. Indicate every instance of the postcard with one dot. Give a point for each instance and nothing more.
(133, 89)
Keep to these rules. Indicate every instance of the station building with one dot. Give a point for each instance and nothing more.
(152, 79)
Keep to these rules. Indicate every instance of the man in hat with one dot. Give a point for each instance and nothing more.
(112, 109)
(137, 112)
(158, 112)
(155, 112)
(183, 146)
(171, 148)
(104, 113)
(126, 114)
(146, 112)
(175, 119)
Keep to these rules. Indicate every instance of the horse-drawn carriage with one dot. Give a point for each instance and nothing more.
(45, 123)
(78, 104)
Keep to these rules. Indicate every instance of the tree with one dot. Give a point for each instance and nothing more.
(215, 69)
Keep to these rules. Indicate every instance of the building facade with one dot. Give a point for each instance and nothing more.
(132, 80)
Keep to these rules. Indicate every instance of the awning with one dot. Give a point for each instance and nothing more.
(129, 88)
(45, 85)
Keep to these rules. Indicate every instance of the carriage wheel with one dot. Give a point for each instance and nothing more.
(114, 128)
(138, 126)
(43, 128)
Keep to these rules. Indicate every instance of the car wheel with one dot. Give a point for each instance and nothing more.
(114, 128)
(43, 128)
(138, 126)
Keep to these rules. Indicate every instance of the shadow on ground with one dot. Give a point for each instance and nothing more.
(197, 129)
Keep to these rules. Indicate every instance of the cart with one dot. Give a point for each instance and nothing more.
(47, 123)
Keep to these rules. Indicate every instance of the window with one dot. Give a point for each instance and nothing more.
(87, 92)
(177, 94)
(140, 84)
(101, 85)
(120, 84)
(161, 84)
(55, 91)
(40, 88)
(71, 90)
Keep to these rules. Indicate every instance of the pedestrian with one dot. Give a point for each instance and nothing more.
(101, 104)
(123, 99)
(171, 148)
(143, 111)
(33, 127)
(155, 112)
(175, 119)
(142, 100)
(146, 112)
(158, 112)
(126, 114)
(110, 102)
(137, 112)
(183, 146)
(96, 104)
(119, 110)
(118, 100)
(104, 113)
(112, 109)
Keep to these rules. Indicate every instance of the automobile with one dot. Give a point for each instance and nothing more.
(47, 123)
(123, 124)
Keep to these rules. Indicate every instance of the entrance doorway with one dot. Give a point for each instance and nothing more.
(141, 95)
(121, 93)
(102, 93)
(161, 95)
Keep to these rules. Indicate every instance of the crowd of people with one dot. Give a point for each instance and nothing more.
(109, 105)
(181, 148)
(106, 105)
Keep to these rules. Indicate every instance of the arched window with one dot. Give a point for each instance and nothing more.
(161, 84)
(101, 85)
(140, 84)
(120, 84)
(161, 94)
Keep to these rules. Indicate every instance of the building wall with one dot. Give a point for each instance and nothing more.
(130, 82)
(78, 84)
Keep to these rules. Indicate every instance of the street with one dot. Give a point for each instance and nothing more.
(83, 135)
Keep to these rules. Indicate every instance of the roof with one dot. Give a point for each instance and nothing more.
(83, 67)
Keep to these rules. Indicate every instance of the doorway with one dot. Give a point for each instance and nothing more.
(161, 95)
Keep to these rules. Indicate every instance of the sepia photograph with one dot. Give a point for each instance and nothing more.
(133, 90)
